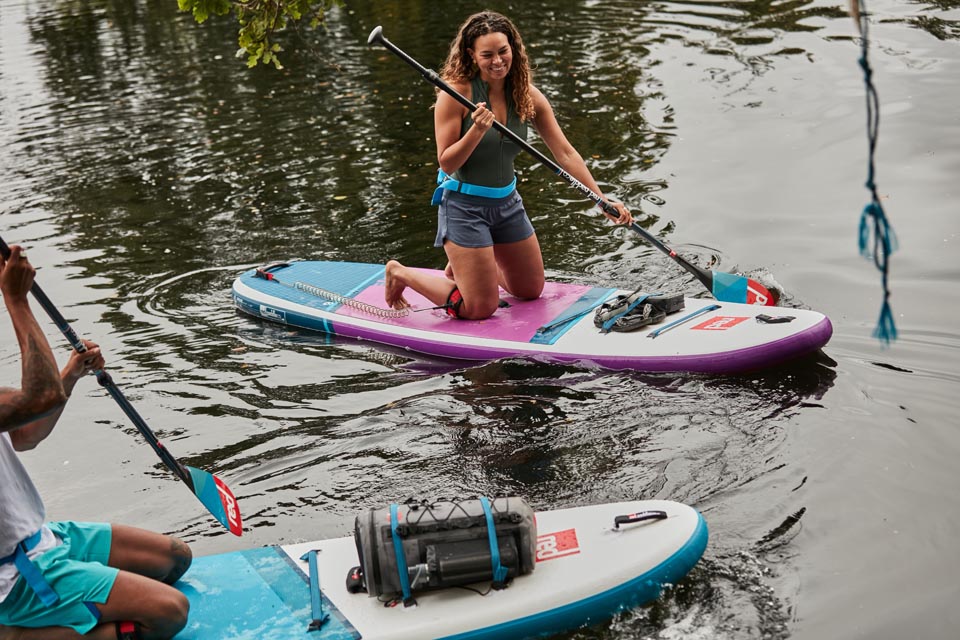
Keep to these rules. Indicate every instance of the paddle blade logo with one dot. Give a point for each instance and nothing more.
(230, 507)
(557, 545)
(218, 499)
(758, 294)
(718, 323)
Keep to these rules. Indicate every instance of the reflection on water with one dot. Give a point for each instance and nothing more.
(149, 168)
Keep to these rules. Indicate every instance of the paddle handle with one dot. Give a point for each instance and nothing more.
(434, 78)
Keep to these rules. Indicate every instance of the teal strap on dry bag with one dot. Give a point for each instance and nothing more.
(499, 571)
(404, 575)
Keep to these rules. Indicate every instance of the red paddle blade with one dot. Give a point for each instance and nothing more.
(730, 287)
(759, 294)
(218, 499)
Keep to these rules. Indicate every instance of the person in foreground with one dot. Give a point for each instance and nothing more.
(482, 224)
(69, 580)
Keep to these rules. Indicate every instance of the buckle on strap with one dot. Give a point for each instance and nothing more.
(28, 544)
(29, 571)
(445, 182)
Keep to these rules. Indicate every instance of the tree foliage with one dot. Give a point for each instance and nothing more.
(261, 20)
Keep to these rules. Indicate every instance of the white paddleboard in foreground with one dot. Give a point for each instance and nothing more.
(586, 571)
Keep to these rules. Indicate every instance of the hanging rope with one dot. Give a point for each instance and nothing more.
(873, 219)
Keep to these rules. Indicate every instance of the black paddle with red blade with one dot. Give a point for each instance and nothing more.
(211, 491)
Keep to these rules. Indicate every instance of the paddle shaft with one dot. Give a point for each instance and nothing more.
(209, 489)
(434, 78)
(104, 379)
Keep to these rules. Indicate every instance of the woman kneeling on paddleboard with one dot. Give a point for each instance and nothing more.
(482, 224)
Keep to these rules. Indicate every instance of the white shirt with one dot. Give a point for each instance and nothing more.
(21, 513)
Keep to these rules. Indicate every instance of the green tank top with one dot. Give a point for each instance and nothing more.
(491, 163)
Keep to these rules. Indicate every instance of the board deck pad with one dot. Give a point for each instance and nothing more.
(585, 572)
(252, 595)
(520, 324)
(714, 337)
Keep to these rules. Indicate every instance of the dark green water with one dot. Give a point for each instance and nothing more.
(144, 167)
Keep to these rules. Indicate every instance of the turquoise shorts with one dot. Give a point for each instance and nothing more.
(78, 572)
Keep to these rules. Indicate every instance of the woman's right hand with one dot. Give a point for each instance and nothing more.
(483, 118)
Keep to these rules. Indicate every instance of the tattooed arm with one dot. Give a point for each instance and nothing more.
(41, 390)
(31, 434)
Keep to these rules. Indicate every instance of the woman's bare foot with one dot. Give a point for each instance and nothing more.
(393, 286)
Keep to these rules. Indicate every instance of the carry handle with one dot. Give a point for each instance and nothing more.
(640, 516)
(264, 271)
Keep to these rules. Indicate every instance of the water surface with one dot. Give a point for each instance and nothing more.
(144, 167)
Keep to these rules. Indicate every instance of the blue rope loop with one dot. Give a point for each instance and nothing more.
(873, 219)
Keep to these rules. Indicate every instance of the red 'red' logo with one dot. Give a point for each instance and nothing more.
(718, 323)
(230, 506)
(557, 545)
(755, 296)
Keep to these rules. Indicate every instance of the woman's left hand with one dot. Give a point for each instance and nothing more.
(625, 216)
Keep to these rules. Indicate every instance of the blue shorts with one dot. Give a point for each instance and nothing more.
(475, 221)
(77, 570)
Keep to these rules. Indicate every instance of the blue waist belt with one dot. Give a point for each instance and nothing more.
(29, 570)
(449, 184)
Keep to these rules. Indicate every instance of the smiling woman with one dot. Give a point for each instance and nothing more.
(482, 224)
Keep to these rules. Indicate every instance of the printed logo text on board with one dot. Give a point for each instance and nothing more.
(718, 323)
(557, 545)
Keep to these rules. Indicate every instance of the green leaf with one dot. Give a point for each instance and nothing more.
(260, 20)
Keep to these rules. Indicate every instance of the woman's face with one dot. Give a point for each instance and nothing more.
(493, 55)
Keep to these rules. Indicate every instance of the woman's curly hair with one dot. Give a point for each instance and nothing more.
(459, 65)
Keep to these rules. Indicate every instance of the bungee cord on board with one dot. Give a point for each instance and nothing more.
(363, 307)
(873, 218)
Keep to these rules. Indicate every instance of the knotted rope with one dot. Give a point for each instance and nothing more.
(873, 219)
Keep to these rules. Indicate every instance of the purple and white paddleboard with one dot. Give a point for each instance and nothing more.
(706, 336)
